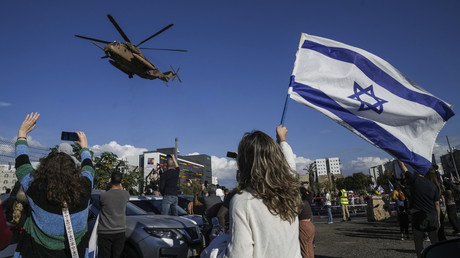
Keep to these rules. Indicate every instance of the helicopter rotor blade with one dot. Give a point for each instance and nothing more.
(112, 20)
(92, 39)
(164, 49)
(175, 74)
(156, 34)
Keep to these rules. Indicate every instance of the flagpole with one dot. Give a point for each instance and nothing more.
(285, 109)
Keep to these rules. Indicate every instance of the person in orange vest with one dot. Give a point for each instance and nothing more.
(403, 217)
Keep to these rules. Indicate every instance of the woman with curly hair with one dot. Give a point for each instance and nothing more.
(263, 213)
(55, 188)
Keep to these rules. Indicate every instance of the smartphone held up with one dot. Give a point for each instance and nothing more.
(69, 136)
(232, 155)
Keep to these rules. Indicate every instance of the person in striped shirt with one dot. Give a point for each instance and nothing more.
(56, 183)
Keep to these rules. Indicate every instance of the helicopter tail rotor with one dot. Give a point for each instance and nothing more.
(175, 74)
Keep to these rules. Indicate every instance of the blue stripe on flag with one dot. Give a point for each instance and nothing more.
(371, 130)
(380, 77)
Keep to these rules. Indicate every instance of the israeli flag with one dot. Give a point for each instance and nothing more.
(370, 97)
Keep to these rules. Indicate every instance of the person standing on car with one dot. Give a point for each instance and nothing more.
(112, 220)
(168, 186)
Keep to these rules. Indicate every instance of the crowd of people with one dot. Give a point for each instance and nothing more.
(268, 214)
(419, 199)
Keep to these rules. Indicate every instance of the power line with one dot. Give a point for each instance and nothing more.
(7, 152)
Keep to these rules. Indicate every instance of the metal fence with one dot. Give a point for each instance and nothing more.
(7, 152)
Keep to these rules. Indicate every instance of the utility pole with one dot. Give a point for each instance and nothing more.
(452, 156)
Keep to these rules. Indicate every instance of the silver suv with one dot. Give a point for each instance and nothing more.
(154, 235)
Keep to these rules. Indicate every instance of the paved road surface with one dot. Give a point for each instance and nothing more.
(359, 238)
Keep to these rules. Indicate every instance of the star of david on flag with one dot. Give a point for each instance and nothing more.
(370, 97)
(369, 92)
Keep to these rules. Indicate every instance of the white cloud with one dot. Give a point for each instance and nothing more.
(33, 143)
(440, 149)
(4, 104)
(225, 170)
(122, 151)
(301, 163)
(30, 141)
(193, 153)
(36, 150)
(7, 150)
(362, 164)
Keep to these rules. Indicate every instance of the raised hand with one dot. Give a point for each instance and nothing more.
(28, 124)
(281, 133)
(82, 141)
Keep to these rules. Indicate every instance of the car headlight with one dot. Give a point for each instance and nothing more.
(163, 233)
(193, 232)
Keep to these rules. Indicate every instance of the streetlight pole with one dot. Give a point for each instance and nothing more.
(175, 149)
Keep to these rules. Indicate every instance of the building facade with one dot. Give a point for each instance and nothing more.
(194, 168)
(448, 164)
(7, 177)
(326, 166)
(375, 172)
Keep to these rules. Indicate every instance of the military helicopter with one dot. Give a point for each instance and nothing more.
(128, 58)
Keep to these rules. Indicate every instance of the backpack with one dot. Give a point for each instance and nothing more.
(399, 195)
(16, 210)
(402, 197)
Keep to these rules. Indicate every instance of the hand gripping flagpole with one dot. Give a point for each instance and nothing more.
(285, 109)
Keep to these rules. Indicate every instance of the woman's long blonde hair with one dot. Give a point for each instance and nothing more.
(265, 172)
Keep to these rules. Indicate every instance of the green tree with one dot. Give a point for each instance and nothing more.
(383, 180)
(103, 167)
(311, 173)
(340, 183)
(131, 181)
(326, 185)
(105, 164)
(361, 181)
(356, 182)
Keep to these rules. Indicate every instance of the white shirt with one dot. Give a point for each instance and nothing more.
(220, 193)
(328, 199)
(288, 154)
(255, 232)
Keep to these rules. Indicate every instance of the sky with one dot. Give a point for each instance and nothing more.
(235, 75)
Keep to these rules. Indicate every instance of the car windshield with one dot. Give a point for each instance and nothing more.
(154, 206)
(132, 209)
(157, 204)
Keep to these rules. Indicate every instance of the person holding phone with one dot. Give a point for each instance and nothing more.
(57, 187)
